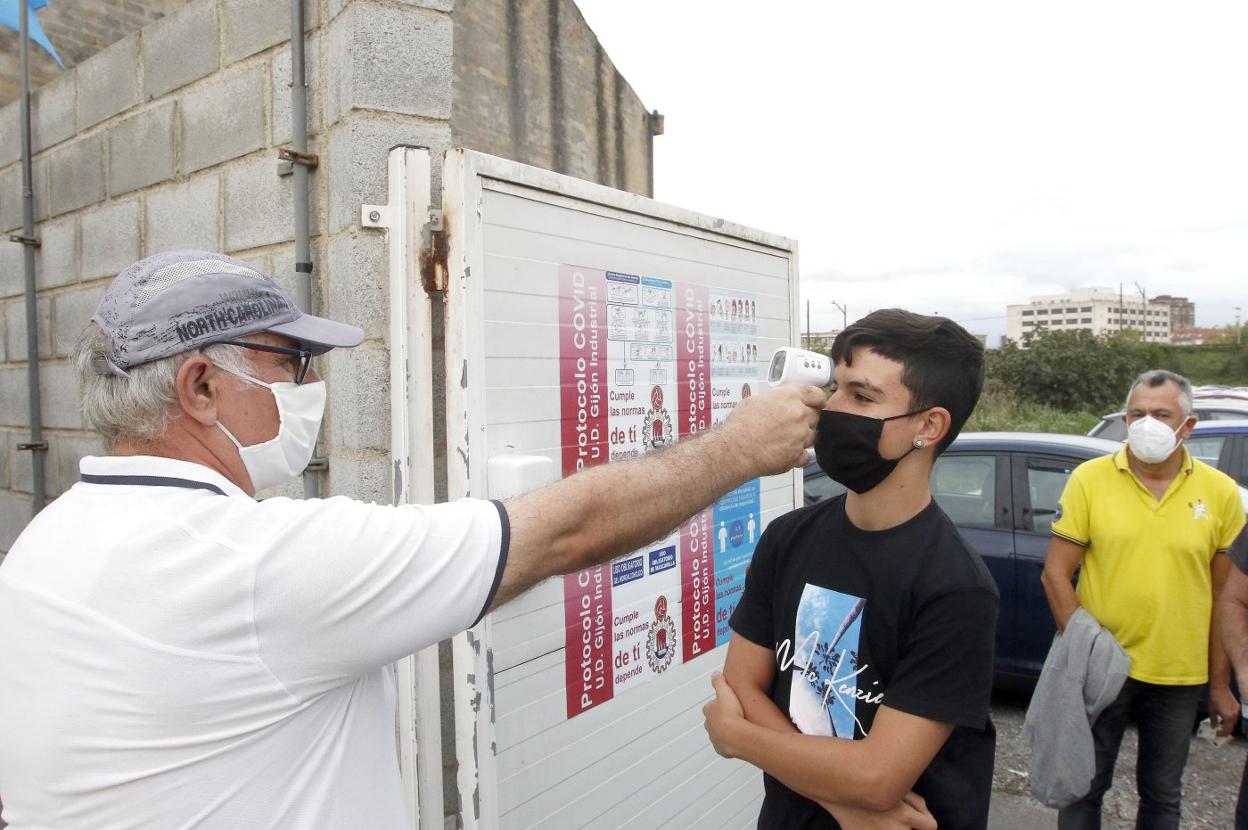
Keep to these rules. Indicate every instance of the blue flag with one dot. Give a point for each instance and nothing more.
(10, 15)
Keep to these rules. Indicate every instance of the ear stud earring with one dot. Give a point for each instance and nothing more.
(918, 443)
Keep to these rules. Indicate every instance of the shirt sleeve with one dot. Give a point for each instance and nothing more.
(1231, 520)
(753, 618)
(1071, 522)
(346, 587)
(1239, 550)
(945, 671)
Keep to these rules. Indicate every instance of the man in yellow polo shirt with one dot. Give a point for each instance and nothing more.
(1147, 524)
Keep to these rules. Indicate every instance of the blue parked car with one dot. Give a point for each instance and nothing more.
(1002, 488)
(1223, 444)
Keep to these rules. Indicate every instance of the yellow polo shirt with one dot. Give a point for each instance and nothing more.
(1145, 573)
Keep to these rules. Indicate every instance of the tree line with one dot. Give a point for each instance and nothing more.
(1077, 371)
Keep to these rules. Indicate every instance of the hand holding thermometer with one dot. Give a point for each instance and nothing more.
(798, 367)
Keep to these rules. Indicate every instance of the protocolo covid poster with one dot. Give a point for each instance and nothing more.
(644, 362)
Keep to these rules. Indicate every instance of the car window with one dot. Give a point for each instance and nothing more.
(1046, 479)
(1206, 448)
(1111, 429)
(965, 487)
(1223, 414)
(819, 487)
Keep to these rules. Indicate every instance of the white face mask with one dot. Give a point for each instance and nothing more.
(1150, 440)
(285, 455)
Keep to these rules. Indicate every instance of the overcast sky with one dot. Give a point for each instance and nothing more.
(957, 156)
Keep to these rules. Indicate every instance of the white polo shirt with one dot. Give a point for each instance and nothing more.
(175, 654)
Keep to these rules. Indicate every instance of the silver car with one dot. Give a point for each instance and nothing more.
(1208, 407)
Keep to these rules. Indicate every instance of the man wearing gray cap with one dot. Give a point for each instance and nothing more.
(174, 653)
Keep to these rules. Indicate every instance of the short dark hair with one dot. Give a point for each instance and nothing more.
(942, 364)
(1156, 377)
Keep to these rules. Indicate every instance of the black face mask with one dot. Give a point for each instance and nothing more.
(847, 447)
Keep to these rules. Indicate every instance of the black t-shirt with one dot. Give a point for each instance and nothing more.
(903, 617)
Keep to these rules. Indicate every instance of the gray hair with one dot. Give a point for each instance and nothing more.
(1156, 377)
(142, 406)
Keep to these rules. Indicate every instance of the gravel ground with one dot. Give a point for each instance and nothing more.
(1210, 781)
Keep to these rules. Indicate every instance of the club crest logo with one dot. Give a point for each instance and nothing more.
(1199, 510)
(658, 423)
(661, 642)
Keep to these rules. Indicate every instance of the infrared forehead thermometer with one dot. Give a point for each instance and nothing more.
(798, 367)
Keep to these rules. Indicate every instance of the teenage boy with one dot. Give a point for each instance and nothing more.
(859, 674)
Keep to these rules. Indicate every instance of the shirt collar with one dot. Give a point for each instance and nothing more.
(152, 465)
(1121, 462)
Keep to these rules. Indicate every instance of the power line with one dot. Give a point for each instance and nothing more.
(977, 319)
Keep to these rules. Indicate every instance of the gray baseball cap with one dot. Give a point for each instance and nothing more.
(176, 301)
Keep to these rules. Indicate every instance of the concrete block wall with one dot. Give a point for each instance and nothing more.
(168, 139)
(541, 90)
(78, 29)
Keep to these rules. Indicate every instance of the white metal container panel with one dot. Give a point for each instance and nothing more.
(531, 254)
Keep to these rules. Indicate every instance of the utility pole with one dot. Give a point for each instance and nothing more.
(1121, 310)
(844, 314)
(808, 340)
(1143, 310)
(1239, 331)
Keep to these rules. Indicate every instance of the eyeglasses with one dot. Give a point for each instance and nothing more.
(302, 356)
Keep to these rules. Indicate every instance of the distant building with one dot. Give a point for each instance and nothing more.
(818, 341)
(1098, 310)
(1193, 336)
(1182, 311)
(821, 341)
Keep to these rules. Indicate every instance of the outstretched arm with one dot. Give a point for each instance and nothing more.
(611, 509)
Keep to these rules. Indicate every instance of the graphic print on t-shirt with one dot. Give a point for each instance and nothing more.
(823, 694)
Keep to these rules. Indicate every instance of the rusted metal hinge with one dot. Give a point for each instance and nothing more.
(433, 252)
(431, 249)
(25, 240)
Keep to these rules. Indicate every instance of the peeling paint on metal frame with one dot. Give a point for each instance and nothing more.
(475, 644)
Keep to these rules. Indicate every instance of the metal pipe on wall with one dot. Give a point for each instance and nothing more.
(36, 446)
(299, 172)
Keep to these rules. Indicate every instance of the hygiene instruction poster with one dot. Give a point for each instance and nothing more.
(646, 362)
